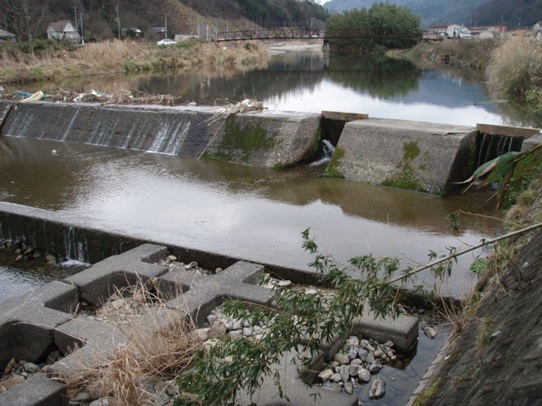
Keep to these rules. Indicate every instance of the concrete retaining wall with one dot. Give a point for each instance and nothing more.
(411, 155)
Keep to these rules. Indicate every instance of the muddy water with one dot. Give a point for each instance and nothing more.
(252, 213)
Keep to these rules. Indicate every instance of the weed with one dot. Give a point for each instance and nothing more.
(485, 334)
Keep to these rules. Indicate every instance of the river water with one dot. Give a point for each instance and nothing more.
(254, 213)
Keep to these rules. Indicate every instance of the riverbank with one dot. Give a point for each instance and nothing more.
(495, 355)
(115, 57)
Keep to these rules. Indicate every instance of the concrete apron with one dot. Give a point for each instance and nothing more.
(33, 325)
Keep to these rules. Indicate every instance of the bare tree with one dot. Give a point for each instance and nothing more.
(24, 18)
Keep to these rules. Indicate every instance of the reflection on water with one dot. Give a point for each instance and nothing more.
(252, 213)
(312, 81)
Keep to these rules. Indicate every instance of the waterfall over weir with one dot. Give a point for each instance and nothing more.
(491, 146)
(160, 130)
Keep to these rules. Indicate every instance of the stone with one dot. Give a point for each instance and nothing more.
(348, 388)
(31, 368)
(364, 375)
(13, 381)
(375, 367)
(377, 390)
(352, 341)
(344, 371)
(336, 377)
(9, 367)
(341, 359)
(100, 402)
(325, 375)
(217, 330)
(353, 352)
(353, 369)
(378, 353)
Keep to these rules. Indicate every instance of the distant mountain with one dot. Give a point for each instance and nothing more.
(513, 13)
(430, 11)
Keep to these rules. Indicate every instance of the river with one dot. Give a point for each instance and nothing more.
(259, 214)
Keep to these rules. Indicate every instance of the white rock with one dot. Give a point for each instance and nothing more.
(364, 375)
(377, 389)
(325, 375)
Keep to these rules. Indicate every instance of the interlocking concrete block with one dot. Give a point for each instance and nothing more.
(37, 390)
(402, 331)
(26, 324)
(205, 292)
(87, 343)
(101, 280)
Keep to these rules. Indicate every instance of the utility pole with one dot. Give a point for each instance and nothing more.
(82, 31)
(117, 18)
(75, 17)
(165, 26)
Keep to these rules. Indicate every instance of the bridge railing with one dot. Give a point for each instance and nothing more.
(278, 33)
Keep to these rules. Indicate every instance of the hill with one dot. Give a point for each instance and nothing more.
(513, 13)
(30, 18)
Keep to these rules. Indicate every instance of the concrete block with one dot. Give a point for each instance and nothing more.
(26, 324)
(101, 280)
(411, 155)
(402, 331)
(37, 390)
(266, 139)
(87, 343)
(205, 292)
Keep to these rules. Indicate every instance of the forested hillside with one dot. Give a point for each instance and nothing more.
(98, 17)
(514, 13)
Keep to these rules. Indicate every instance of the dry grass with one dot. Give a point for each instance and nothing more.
(160, 345)
(516, 66)
(127, 56)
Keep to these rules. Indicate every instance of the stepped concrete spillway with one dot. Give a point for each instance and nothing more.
(253, 138)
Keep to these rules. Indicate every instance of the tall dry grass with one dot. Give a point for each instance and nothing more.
(516, 67)
(126, 56)
(159, 347)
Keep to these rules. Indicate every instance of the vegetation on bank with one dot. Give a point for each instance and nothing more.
(511, 67)
(372, 31)
(48, 60)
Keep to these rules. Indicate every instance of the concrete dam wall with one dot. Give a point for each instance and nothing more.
(417, 156)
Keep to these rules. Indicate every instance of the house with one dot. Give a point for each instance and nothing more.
(6, 36)
(63, 30)
(131, 32)
(156, 33)
(446, 30)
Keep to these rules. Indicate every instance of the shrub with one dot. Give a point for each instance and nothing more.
(516, 68)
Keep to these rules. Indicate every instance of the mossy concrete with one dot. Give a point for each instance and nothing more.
(411, 155)
(273, 140)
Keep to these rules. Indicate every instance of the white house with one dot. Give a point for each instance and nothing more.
(447, 30)
(63, 30)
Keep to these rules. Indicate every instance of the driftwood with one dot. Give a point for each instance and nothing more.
(70, 96)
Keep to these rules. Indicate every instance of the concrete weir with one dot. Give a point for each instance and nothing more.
(425, 157)
(418, 156)
(252, 138)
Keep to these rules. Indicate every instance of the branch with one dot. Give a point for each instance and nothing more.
(483, 243)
